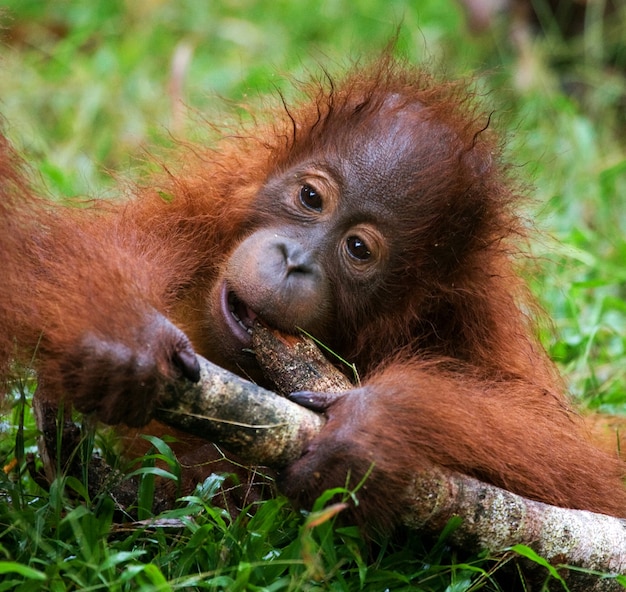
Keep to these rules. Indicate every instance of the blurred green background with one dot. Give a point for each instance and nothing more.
(86, 87)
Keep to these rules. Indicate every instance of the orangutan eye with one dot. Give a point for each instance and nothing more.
(310, 198)
(358, 248)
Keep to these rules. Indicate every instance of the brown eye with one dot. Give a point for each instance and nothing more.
(358, 248)
(310, 198)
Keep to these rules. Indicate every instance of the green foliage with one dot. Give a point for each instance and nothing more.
(91, 81)
(61, 539)
(87, 86)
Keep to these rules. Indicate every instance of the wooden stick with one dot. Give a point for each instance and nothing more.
(263, 427)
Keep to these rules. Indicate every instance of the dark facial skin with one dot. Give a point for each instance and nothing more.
(323, 224)
(287, 274)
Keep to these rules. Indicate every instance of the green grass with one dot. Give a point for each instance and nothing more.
(84, 90)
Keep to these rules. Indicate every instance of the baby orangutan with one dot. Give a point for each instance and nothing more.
(375, 215)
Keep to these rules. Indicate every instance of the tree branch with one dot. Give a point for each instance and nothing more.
(263, 427)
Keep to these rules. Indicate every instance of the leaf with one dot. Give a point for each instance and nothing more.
(527, 552)
(23, 570)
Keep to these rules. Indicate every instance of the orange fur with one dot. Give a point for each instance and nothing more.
(452, 371)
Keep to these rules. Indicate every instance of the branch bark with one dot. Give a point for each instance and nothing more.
(254, 423)
(265, 428)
